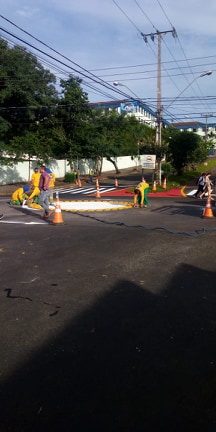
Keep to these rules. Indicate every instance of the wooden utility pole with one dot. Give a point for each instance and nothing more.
(206, 116)
(158, 35)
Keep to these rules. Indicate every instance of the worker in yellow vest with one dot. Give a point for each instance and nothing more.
(19, 195)
(140, 194)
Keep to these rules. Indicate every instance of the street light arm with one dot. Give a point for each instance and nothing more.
(117, 83)
(199, 76)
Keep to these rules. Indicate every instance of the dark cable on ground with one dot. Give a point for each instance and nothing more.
(197, 233)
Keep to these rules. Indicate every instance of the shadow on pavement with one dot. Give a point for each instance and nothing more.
(182, 209)
(132, 362)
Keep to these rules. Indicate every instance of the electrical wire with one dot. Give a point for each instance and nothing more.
(127, 16)
(155, 64)
(83, 72)
(179, 67)
(88, 84)
(56, 68)
(197, 84)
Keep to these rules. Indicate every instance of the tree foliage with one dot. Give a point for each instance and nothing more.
(71, 114)
(185, 148)
(110, 134)
(27, 91)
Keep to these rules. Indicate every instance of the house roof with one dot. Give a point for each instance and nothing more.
(193, 124)
(188, 124)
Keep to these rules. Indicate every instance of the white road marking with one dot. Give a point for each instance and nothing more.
(91, 205)
(23, 223)
(85, 190)
(191, 193)
(101, 190)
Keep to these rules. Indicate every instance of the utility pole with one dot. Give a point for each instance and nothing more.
(206, 116)
(159, 112)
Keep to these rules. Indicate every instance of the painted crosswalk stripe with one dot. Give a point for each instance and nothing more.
(101, 190)
(63, 190)
(85, 191)
(191, 193)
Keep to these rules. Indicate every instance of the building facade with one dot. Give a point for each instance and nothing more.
(144, 114)
(137, 108)
(204, 130)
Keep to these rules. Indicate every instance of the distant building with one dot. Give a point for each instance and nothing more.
(206, 131)
(144, 114)
(139, 109)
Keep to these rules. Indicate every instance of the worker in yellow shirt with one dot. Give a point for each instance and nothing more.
(35, 178)
(19, 195)
(140, 194)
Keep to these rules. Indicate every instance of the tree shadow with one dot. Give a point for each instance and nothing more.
(134, 361)
(131, 178)
(27, 211)
(9, 175)
(186, 209)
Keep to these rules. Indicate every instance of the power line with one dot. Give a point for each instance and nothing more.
(87, 80)
(165, 14)
(155, 64)
(152, 38)
(82, 72)
(124, 13)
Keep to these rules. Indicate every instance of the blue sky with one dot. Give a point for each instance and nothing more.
(104, 37)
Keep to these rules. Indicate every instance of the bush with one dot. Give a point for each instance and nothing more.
(69, 177)
(167, 169)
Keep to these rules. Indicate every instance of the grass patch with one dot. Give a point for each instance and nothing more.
(191, 175)
(170, 185)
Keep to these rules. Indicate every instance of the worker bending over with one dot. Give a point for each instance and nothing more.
(19, 195)
(140, 194)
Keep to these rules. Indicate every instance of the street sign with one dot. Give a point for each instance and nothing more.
(148, 161)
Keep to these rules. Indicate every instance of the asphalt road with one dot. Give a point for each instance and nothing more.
(107, 321)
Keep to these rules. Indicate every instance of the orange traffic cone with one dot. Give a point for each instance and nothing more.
(97, 183)
(116, 182)
(79, 183)
(58, 214)
(98, 193)
(164, 183)
(154, 187)
(208, 209)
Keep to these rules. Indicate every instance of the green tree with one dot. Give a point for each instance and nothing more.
(185, 148)
(148, 144)
(109, 135)
(72, 114)
(132, 136)
(27, 95)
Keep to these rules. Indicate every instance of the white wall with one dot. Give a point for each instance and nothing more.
(22, 171)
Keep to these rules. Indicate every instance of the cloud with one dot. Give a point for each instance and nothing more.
(27, 12)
